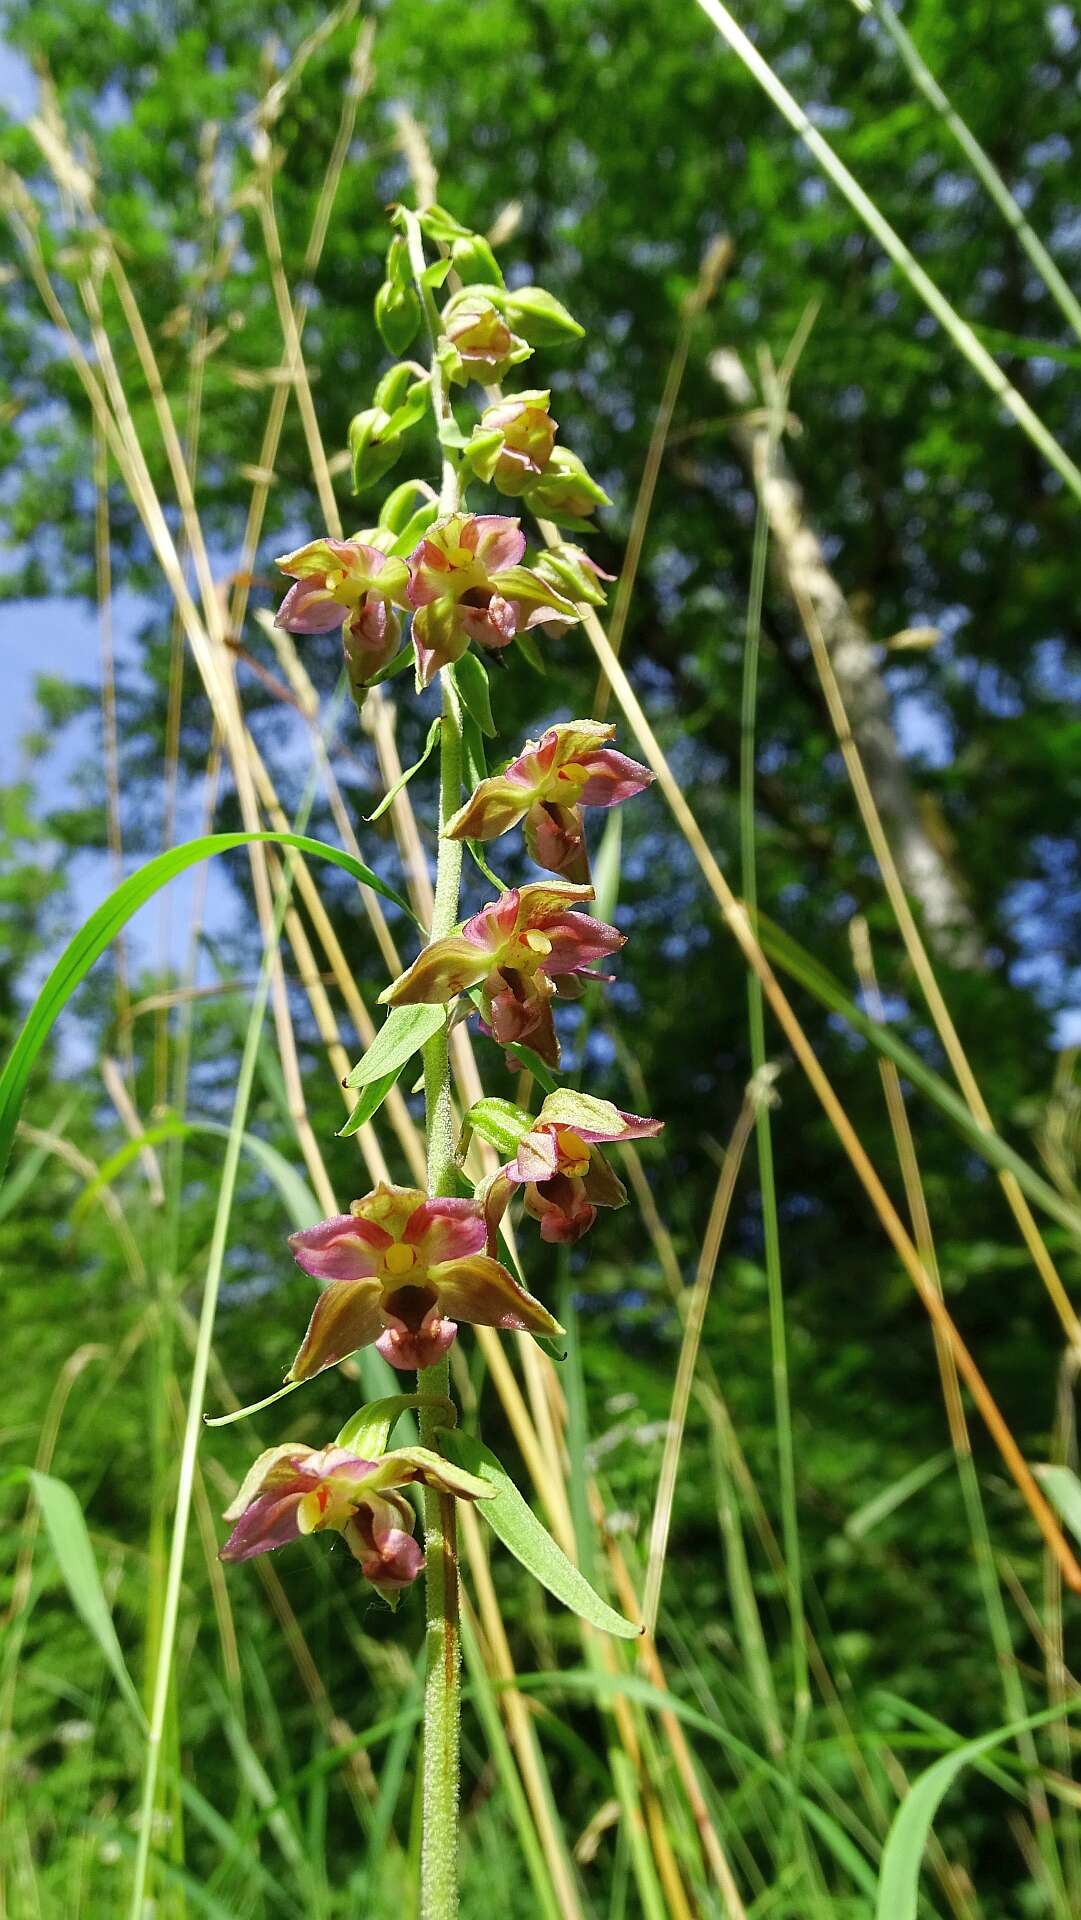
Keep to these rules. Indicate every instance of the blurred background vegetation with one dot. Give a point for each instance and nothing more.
(611, 147)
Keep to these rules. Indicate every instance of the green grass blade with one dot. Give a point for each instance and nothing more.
(109, 919)
(66, 1527)
(906, 1842)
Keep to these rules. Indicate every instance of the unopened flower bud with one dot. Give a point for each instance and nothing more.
(373, 451)
(565, 490)
(397, 315)
(571, 570)
(473, 261)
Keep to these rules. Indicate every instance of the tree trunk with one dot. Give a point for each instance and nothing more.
(800, 566)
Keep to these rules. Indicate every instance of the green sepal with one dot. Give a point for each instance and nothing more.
(531, 653)
(398, 316)
(398, 507)
(540, 318)
(500, 1122)
(474, 262)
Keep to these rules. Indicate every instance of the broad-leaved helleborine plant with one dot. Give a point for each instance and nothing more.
(404, 1270)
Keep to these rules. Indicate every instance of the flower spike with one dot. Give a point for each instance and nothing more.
(401, 1272)
(519, 950)
(552, 779)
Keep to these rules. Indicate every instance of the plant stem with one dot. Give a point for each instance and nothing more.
(442, 1686)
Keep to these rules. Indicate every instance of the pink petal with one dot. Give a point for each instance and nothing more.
(410, 1350)
(613, 777)
(538, 1156)
(445, 1230)
(269, 1522)
(500, 541)
(341, 1248)
(577, 939)
(308, 608)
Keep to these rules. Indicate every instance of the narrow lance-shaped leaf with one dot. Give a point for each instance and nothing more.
(404, 778)
(513, 1521)
(402, 1034)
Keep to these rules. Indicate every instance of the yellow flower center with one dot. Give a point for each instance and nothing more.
(538, 942)
(326, 1506)
(573, 1156)
(399, 1258)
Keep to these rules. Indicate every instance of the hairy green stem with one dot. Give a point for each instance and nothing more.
(442, 1686)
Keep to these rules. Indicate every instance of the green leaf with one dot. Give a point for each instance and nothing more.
(109, 919)
(402, 1034)
(513, 1521)
(1063, 1489)
(499, 1122)
(474, 758)
(370, 1102)
(66, 1527)
(404, 778)
(902, 1855)
(531, 653)
(367, 1431)
(470, 677)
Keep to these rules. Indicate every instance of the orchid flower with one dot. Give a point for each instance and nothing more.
(401, 1272)
(519, 950)
(558, 1163)
(512, 443)
(293, 1490)
(467, 583)
(479, 343)
(351, 584)
(552, 779)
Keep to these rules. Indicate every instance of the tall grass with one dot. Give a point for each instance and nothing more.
(716, 1779)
